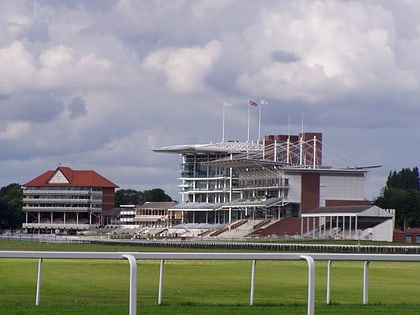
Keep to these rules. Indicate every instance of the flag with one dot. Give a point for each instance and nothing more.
(252, 103)
(263, 102)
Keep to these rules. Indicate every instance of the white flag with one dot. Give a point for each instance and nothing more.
(263, 102)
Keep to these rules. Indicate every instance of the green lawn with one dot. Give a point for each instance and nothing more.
(198, 287)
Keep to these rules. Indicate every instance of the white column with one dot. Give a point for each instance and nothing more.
(350, 232)
(313, 227)
(275, 151)
(307, 225)
(355, 227)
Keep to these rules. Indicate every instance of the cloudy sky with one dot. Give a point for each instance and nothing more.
(98, 84)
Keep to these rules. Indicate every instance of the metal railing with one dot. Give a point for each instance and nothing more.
(132, 257)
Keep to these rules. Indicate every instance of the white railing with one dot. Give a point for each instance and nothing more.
(132, 257)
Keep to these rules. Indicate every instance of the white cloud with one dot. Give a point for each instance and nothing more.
(345, 45)
(17, 68)
(14, 130)
(185, 69)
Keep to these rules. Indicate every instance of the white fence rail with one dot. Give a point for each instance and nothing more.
(132, 258)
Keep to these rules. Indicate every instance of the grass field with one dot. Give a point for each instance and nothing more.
(198, 287)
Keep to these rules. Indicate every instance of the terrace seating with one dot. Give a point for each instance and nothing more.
(286, 226)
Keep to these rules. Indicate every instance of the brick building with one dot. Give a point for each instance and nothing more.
(66, 200)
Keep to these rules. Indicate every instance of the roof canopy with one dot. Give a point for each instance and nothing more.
(65, 176)
(349, 211)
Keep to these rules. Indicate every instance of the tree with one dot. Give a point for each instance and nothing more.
(405, 179)
(11, 207)
(134, 197)
(128, 197)
(155, 194)
(402, 194)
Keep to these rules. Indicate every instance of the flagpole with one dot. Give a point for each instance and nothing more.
(225, 104)
(223, 123)
(262, 102)
(259, 120)
(249, 111)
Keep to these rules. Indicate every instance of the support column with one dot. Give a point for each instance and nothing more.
(301, 225)
(355, 228)
(313, 227)
(307, 225)
(350, 232)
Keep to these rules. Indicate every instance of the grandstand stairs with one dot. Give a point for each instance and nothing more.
(286, 226)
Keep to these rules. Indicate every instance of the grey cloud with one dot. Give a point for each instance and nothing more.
(77, 108)
(284, 56)
(39, 107)
(37, 32)
(93, 5)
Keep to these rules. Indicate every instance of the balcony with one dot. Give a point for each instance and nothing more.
(60, 226)
(64, 192)
(61, 200)
(60, 209)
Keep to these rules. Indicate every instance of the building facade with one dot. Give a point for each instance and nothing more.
(66, 200)
(281, 176)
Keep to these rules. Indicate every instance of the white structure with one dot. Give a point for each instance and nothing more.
(287, 170)
(282, 176)
(350, 222)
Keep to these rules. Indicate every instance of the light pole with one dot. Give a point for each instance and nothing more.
(225, 104)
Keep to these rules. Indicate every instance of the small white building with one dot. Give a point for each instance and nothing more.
(350, 222)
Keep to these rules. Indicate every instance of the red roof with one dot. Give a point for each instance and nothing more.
(78, 178)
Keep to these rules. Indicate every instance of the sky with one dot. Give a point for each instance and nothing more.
(99, 84)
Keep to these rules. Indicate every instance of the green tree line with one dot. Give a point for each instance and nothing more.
(401, 192)
(134, 197)
(11, 203)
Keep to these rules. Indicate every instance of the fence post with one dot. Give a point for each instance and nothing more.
(38, 283)
(329, 281)
(251, 297)
(162, 262)
(311, 283)
(366, 282)
(133, 284)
